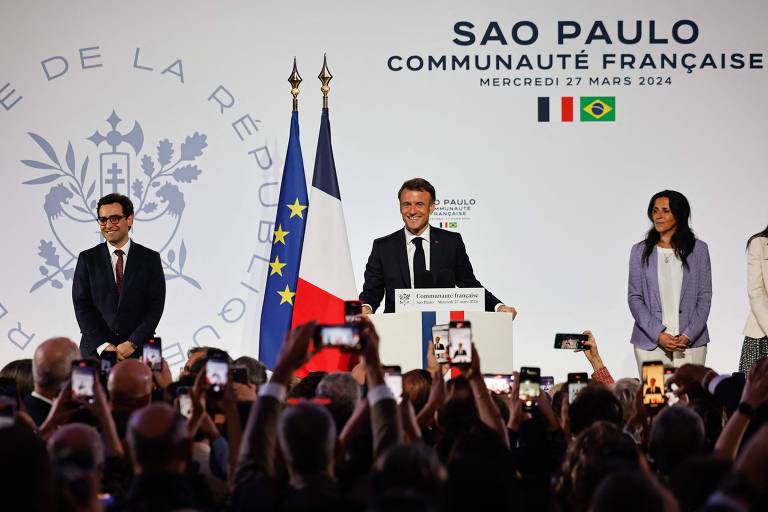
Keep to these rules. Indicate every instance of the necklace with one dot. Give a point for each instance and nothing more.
(668, 257)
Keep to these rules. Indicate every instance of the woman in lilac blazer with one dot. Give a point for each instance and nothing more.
(670, 287)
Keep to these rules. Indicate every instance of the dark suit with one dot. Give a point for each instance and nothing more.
(387, 268)
(38, 409)
(105, 317)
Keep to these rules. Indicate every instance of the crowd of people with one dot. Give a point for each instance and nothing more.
(343, 441)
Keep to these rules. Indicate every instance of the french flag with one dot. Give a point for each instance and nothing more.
(326, 278)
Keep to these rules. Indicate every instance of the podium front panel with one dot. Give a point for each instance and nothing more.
(401, 339)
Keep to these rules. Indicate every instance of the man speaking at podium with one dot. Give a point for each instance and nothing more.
(419, 256)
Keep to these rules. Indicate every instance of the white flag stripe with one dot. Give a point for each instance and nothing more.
(325, 258)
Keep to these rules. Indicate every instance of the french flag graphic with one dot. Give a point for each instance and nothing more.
(428, 320)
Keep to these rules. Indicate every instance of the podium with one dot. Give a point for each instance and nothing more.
(404, 334)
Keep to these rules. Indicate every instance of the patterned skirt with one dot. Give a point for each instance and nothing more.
(753, 350)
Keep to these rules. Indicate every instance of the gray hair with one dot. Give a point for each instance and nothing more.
(626, 391)
(342, 389)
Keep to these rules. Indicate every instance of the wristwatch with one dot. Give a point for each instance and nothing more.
(746, 409)
(135, 346)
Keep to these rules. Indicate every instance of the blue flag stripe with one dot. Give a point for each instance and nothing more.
(276, 317)
(324, 175)
(543, 109)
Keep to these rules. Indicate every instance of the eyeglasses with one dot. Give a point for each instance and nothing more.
(113, 219)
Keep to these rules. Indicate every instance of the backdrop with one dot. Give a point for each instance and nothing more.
(186, 108)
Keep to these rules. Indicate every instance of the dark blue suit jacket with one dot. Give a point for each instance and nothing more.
(387, 268)
(104, 316)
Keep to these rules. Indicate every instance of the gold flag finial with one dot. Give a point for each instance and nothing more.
(295, 80)
(325, 77)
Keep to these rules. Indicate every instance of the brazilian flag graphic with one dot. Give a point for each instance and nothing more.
(598, 108)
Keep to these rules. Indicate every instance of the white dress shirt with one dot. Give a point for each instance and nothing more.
(670, 272)
(113, 257)
(126, 249)
(410, 248)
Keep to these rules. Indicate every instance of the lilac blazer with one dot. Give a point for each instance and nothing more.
(645, 301)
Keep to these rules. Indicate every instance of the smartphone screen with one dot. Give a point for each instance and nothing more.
(153, 354)
(108, 360)
(217, 371)
(353, 309)
(344, 337)
(669, 390)
(498, 383)
(460, 343)
(183, 393)
(440, 341)
(576, 382)
(547, 383)
(7, 411)
(571, 341)
(394, 381)
(653, 383)
(82, 380)
(530, 387)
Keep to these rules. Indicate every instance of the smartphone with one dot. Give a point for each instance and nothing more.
(108, 360)
(7, 410)
(353, 310)
(530, 387)
(217, 371)
(394, 381)
(571, 341)
(184, 394)
(653, 383)
(440, 342)
(153, 354)
(8, 387)
(547, 383)
(344, 337)
(460, 343)
(576, 382)
(240, 374)
(499, 383)
(83, 379)
(669, 390)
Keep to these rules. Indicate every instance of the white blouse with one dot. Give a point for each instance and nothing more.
(670, 284)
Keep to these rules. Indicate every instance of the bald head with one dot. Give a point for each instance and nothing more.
(130, 385)
(77, 444)
(52, 364)
(159, 439)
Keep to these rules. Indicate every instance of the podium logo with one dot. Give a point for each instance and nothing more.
(153, 178)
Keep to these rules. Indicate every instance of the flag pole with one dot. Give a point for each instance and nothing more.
(295, 80)
(325, 77)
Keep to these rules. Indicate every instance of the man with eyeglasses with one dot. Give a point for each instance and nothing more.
(118, 303)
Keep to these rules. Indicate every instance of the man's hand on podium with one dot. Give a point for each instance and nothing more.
(507, 309)
(367, 310)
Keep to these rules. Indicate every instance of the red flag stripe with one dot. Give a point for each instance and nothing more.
(566, 106)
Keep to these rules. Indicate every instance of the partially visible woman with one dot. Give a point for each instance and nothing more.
(670, 287)
(755, 345)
